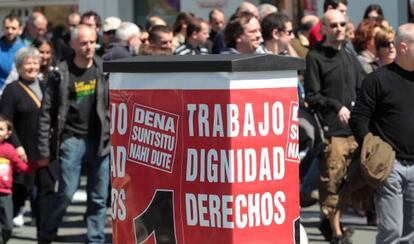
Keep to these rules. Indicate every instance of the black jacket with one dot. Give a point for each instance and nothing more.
(332, 80)
(55, 106)
(385, 107)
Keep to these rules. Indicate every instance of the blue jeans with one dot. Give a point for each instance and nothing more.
(395, 205)
(310, 180)
(73, 153)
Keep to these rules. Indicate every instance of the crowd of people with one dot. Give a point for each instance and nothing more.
(357, 85)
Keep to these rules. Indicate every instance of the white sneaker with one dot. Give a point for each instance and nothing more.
(18, 221)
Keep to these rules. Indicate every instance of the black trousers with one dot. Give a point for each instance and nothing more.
(6, 217)
(45, 182)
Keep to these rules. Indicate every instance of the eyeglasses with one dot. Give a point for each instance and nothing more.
(289, 32)
(386, 44)
(334, 25)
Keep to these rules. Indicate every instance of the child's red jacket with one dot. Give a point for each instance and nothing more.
(10, 161)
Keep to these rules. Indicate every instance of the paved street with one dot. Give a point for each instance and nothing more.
(73, 229)
(363, 234)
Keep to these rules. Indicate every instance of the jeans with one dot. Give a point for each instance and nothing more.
(73, 153)
(310, 180)
(395, 205)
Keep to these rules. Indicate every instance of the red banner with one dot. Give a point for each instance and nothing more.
(205, 166)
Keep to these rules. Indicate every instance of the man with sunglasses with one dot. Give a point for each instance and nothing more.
(315, 34)
(277, 32)
(332, 78)
(385, 108)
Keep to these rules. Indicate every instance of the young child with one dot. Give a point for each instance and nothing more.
(9, 161)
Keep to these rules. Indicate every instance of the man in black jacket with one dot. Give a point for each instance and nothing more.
(75, 111)
(332, 79)
(385, 107)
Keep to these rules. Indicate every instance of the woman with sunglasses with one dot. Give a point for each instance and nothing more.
(364, 44)
(385, 47)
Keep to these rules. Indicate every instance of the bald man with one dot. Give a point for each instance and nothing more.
(36, 27)
(153, 21)
(248, 7)
(386, 103)
(332, 79)
(74, 101)
(301, 42)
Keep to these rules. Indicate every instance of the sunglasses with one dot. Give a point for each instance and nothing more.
(334, 25)
(386, 44)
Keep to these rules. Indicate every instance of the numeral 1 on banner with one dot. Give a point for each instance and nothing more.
(157, 219)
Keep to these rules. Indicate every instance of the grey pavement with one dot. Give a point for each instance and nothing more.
(363, 234)
(73, 228)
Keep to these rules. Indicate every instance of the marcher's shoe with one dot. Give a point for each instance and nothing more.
(347, 231)
(44, 242)
(372, 218)
(18, 221)
(326, 230)
(341, 240)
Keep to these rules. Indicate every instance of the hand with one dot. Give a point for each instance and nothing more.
(344, 114)
(21, 153)
(43, 162)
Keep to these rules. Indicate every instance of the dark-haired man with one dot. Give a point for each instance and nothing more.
(277, 32)
(93, 20)
(197, 35)
(217, 22)
(161, 37)
(242, 34)
(10, 43)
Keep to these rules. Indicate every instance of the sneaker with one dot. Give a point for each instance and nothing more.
(18, 221)
(341, 240)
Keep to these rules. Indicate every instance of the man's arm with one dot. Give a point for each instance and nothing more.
(364, 108)
(48, 115)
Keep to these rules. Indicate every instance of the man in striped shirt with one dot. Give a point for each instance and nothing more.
(197, 36)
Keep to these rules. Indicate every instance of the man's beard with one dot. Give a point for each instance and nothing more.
(134, 50)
